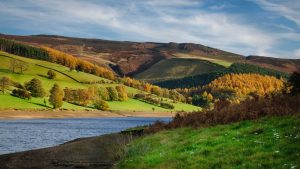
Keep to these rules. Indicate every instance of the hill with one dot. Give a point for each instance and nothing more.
(175, 68)
(72, 79)
(271, 142)
(203, 79)
(284, 65)
(137, 59)
(129, 58)
(257, 133)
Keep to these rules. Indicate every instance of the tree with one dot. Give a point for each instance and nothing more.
(36, 88)
(101, 105)
(156, 90)
(51, 74)
(103, 93)
(113, 93)
(295, 82)
(22, 66)
(16, 65)
(122, 93)
(56, 96)
(4, 84)
(13, 65)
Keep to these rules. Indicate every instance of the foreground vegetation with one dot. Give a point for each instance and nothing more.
(271, 142)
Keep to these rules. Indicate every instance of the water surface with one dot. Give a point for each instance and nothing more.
(27, 134)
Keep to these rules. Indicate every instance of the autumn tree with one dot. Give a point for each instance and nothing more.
(56, 96)
(51, 74)
(122, 93)
(244, 84)
(101, 105)
(36, 88)
(4, 84)
(113, 93)
(156, 90)
(103, 93)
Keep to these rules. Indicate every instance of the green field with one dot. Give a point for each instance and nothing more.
(66, 78)
(209, 59)
(176, 68)
(271, 142)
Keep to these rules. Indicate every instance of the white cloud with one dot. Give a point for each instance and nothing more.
(289, 10)
(155, 20)
(297, 54)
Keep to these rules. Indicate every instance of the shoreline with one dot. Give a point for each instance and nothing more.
(57, 114)
(90, 153)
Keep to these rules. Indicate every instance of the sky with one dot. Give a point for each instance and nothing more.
(247, 27)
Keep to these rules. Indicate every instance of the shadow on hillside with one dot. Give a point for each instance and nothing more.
(40, 104)
(5, 70)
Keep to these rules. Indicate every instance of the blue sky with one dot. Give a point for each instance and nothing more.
(258, 27)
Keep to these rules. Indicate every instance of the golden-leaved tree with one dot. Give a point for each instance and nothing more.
(244, 84)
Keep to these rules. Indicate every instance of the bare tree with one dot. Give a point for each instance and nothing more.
(17, 66)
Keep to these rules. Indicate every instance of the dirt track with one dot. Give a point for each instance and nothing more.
(31, 114)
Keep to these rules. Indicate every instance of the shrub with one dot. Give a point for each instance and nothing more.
(36, 88)
(166, 105)
(249, 109)
(51, 74)
(101, 105)
(24, 94)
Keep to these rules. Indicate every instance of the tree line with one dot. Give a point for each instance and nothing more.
(78, 64)
(20, 49)
(204, 79)
(55, 56)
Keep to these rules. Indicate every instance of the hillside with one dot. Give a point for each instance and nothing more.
(142, 59)
(271, 142)
(129, 58)
(175, 68)
(284, 65)
(203, 79)
(72, 79)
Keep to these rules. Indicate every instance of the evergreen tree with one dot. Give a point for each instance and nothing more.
(295, 82)
(56, 96)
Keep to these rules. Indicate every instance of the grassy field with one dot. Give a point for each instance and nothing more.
(271, 142)
(176, 68)
(136, 105)
(213, 60)
(65, 78)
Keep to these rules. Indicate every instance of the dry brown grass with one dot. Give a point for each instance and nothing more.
(248, 110)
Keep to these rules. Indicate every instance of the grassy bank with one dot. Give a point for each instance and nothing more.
(271, 142)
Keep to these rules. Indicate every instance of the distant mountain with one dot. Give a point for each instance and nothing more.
(129, 58)
(284, 65)
(142, 59)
